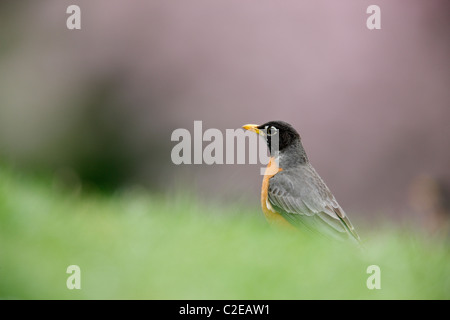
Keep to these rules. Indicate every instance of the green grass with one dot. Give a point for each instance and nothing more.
(133, 245)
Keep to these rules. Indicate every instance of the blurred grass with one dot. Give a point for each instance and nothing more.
(133, 245)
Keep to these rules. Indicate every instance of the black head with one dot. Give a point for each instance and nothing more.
(285, 133)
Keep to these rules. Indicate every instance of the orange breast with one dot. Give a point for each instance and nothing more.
(273, 217)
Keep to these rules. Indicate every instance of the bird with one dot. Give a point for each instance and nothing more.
(293, 195)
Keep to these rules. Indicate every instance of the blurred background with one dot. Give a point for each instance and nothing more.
(95, 107)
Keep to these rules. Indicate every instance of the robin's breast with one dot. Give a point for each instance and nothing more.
(272, 216)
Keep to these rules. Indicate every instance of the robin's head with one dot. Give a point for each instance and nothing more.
(276, 131)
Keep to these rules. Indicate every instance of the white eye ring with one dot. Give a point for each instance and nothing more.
(272, 131)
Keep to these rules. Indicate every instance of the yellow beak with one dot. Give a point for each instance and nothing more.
(254, 128)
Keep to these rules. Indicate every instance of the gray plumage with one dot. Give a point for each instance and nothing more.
(302, 198)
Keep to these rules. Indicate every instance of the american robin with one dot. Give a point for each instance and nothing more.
(293, 194)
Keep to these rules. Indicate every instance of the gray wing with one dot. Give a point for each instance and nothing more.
(301, 196)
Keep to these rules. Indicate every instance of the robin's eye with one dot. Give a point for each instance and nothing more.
(272, 131)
